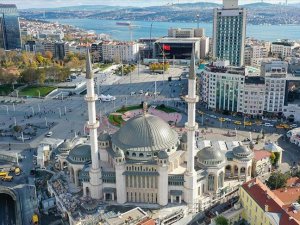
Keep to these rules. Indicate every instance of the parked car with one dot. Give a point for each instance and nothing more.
(268, 125)
(49, 134)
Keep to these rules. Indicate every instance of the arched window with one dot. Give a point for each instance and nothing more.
(134, 154)
(141, 155)
(211, 182)
(220, 180)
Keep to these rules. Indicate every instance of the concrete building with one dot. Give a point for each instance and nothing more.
(192, 33)
(283, 48)
(61, 50)
(257, 62)
(254, 95)
(255, 52)
(223, 86)
(263, 206)
(229, 32)
(275, 74)
(114, 51)
(176, 48)
(186, 32)
(204, 47)
(97, 52)
(30, 46)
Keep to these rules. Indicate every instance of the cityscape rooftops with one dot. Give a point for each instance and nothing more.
(271, 202)
(136, 216)
(177, 40)
(216, 67)
(254, 80)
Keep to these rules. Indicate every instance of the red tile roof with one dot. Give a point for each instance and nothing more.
(263, 196)
(261, 154)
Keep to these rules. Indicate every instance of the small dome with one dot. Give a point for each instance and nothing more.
(184, 138)
(65, 146)
(242, 151)
(209, 155)
(162, 155)
(104, 137)
(119, 153)
(80, 154)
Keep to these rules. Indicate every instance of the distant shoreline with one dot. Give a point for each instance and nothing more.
(160, 29)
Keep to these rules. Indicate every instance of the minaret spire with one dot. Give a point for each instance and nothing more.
(89, 67)
(191, 126)
(92, 125)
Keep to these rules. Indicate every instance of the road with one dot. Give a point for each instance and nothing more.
(7, 212)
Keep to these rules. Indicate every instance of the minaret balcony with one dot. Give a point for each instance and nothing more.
(191, 100)
(191, 128)
(91, 98)
(92, 125)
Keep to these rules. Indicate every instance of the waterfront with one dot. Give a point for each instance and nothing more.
(160, 29)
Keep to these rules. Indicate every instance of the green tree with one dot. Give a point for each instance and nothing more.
(221, 220)
(277, 180)
(17, 129)
(272, 158)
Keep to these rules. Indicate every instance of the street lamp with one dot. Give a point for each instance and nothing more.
(14, 107)
(32, 109)
(39, 93)
(59, 110)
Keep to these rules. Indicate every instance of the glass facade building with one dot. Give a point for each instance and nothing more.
(229, 34)
(10, 35)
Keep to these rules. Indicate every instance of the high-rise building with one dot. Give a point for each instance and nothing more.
(229, 33)
(10, 35)
(275, 74)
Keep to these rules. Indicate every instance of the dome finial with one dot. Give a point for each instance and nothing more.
(145, 107)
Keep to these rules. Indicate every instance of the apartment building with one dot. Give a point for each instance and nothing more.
(255, 52)
(120, 51)
(265, 207)
(223, 86)
(283, 48)
(275, 74)
(254, 95)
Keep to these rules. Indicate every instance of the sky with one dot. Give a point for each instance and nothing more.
(61, 3)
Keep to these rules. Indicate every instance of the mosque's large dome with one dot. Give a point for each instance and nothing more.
(145, 133)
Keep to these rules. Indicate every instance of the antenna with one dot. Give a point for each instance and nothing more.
(198, 17)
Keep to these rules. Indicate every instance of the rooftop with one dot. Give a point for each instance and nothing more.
(135, 216)
(254, 80)
(263, 196)
(225, 69)
(261, 154)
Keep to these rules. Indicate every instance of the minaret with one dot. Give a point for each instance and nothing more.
(190, 176)
(92, 125)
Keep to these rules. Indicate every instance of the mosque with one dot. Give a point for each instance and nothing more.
(146, 161)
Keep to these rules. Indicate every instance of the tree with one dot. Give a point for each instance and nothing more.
(9, 75)
(277, 180)
(48, 55)
(221, 220)
(17, 129)
(272, 158)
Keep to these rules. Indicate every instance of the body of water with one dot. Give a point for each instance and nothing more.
(159, 29)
